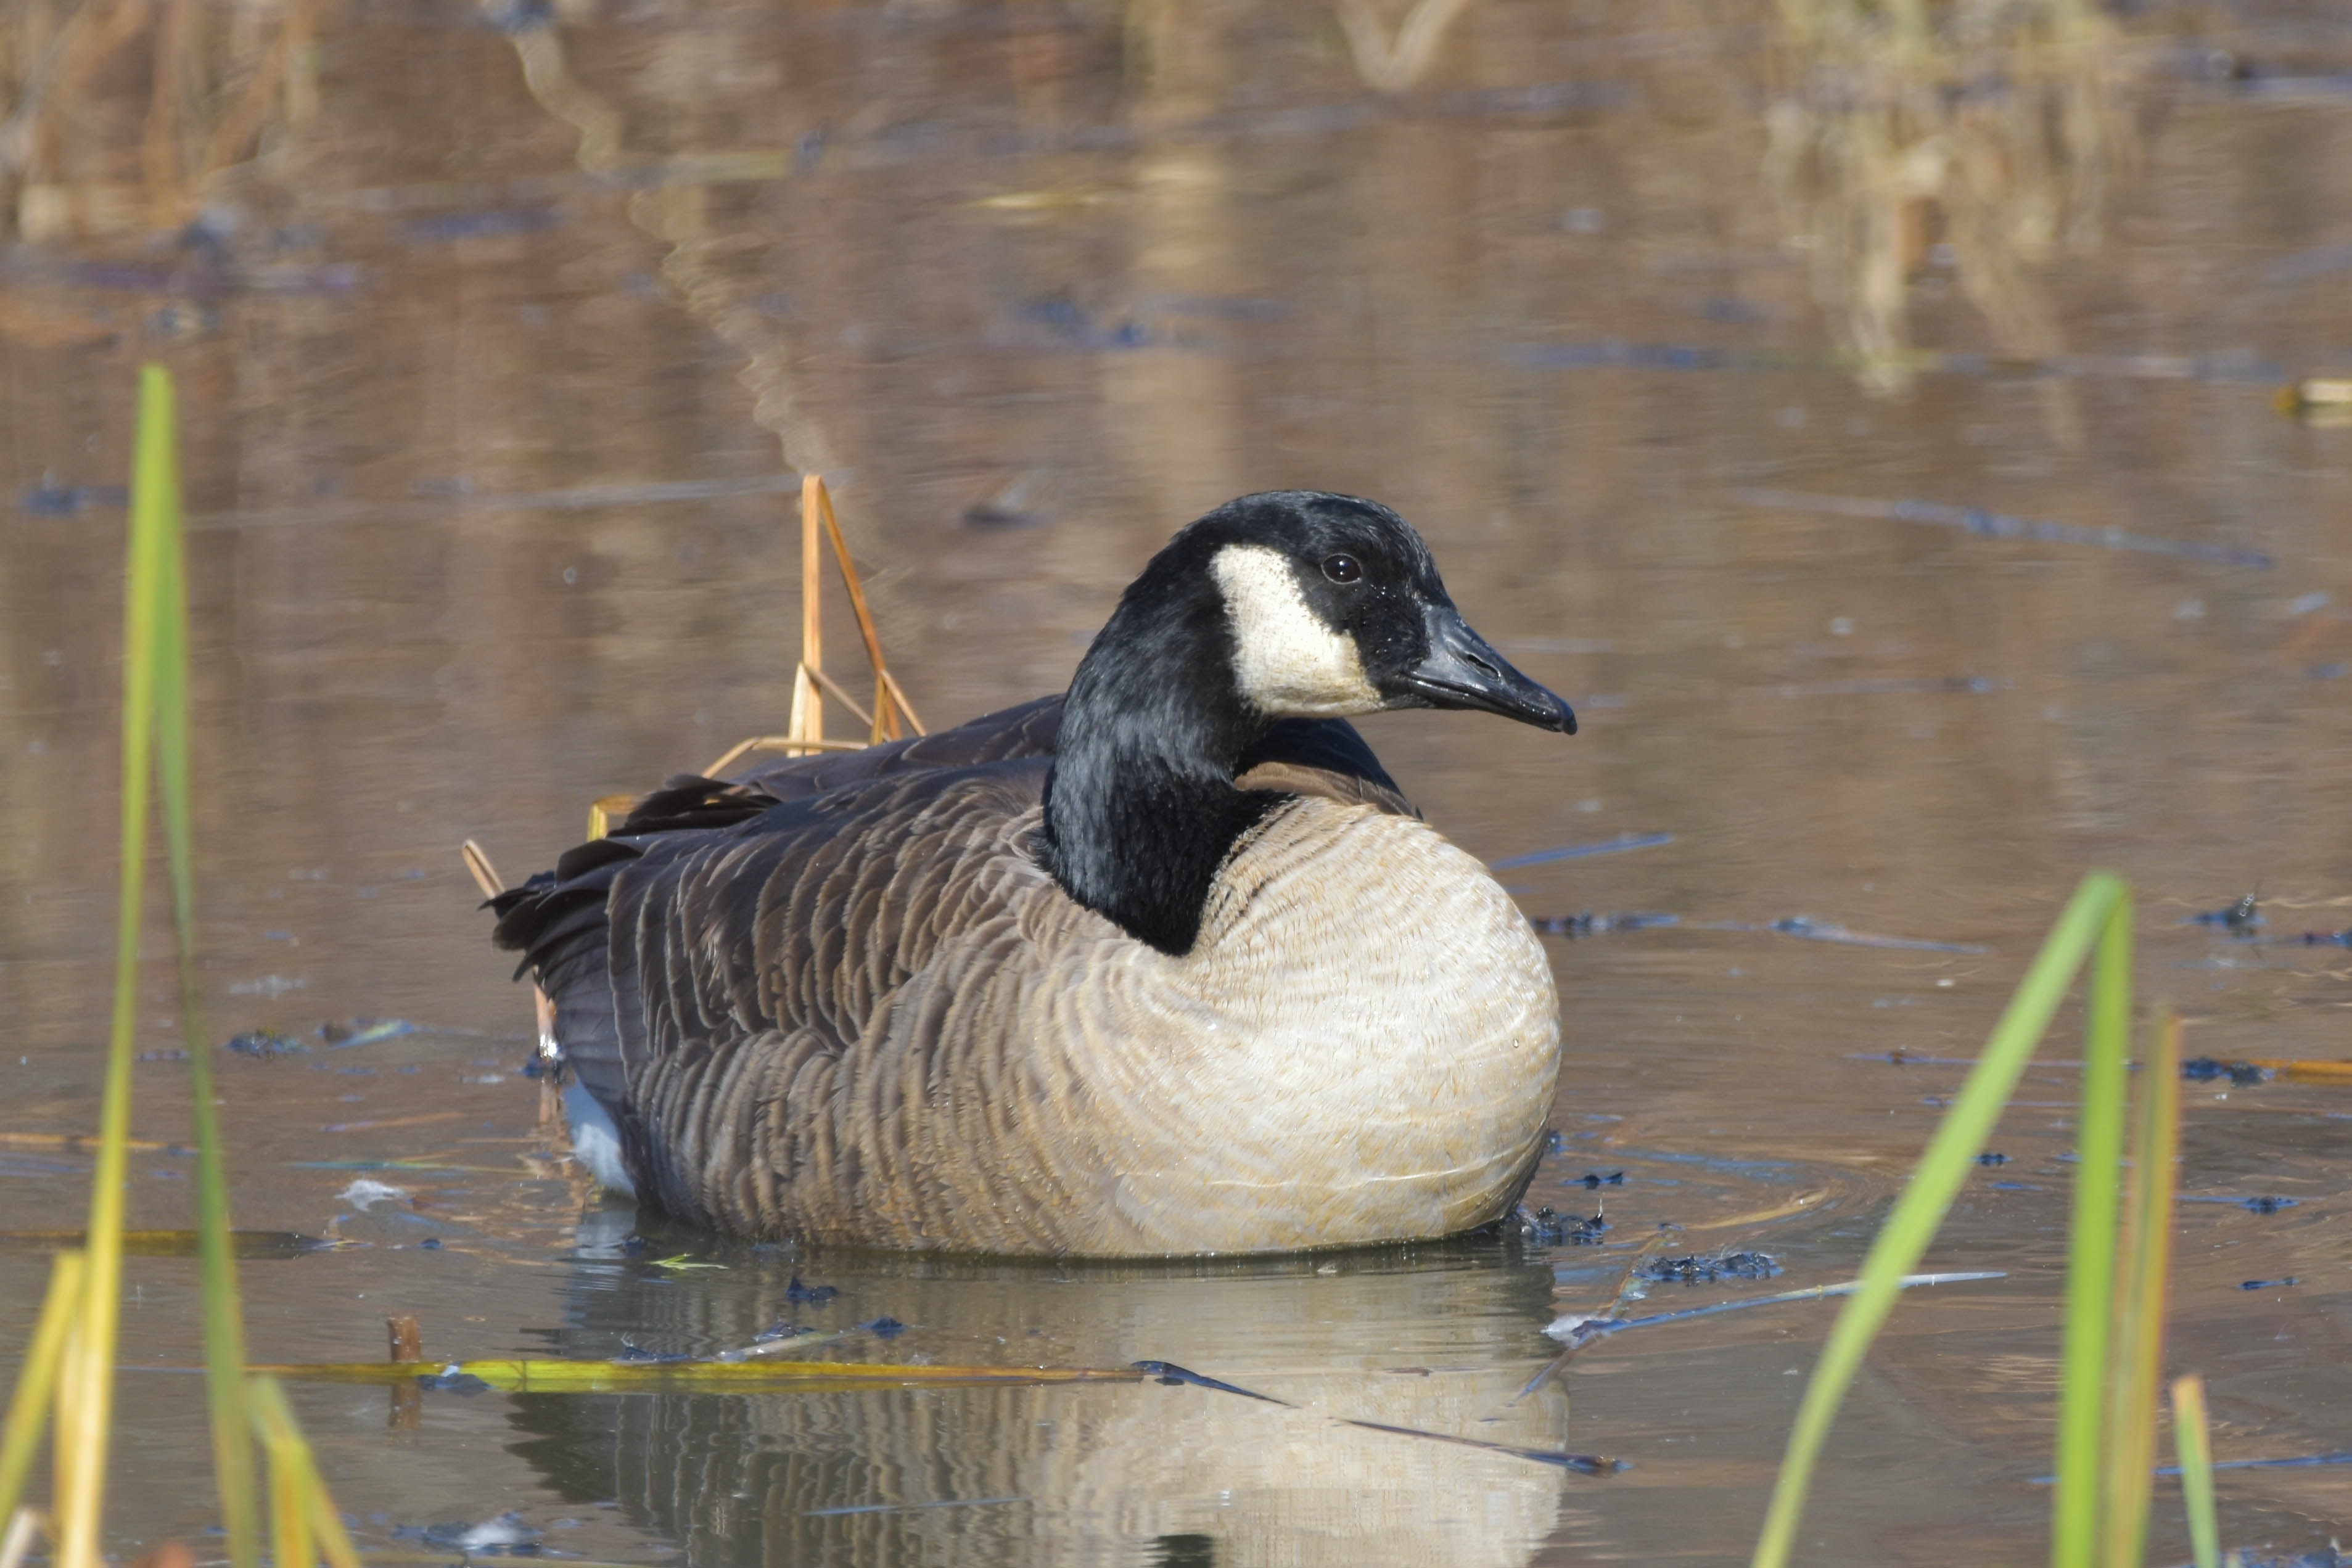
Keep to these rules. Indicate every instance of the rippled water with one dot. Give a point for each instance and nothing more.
(1883, 455)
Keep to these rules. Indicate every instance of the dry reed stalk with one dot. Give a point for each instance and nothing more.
(808, 702)
(884, 723)
(484, 874)
(856, 708)
(805, 733)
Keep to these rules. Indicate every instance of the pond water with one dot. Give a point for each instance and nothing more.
(1876, 440)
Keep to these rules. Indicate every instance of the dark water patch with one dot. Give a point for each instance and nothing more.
(2261, 1204)
(2269, 1284)
(489, 223)
(2243, 1075)
(1982, 524)
(1617, 845)
(1697, 1270)
(46, 497)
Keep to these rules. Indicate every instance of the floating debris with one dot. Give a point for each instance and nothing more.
(1551, 1228)
(2266, 1203)
(1705, 1270)
(712, 1374)
(1592, 1179)
(365, 1031)
(2000, 525)
(1168, 1372)
(47, 499)
(2240, 919)
(247, 1244)
(1813, 930)
(1584, 1464)
(1582, 1330)
(2269, 1284)
(452, 1379)
(365, 1193)
(1990, 1158)
(2317, 399)
(814, 1295)
(1596, 925)
(2206, 1070)
(505, 1536)
(1621, 843)
(265, 1045)
(884, 1327)
(681, 1262)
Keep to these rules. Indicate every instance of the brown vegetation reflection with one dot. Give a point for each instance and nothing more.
(1996, 128)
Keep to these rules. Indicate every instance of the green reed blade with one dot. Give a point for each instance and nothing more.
(304, 1517)
(37, 1380)
(1913, 1222)
(81, 1497)
(2136, 1361)
(157, 477)
(2196, 1469)
(2091, 1246)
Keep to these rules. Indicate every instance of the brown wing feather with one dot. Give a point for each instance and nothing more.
(782, 910)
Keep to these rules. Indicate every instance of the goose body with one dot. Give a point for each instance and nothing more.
(1165, 966)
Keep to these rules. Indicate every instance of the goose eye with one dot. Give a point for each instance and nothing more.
(1343, 569)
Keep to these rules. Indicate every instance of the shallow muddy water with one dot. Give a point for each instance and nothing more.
(1889, 470)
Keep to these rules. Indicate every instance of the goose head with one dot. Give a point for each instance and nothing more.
(1334, 608)
(1287, 604)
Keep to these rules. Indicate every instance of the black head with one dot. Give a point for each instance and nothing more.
(1292, 604)
(1334, 606)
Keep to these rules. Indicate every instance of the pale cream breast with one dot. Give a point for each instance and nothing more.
(1364, 1045)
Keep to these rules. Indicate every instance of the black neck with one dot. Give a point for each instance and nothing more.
(1140, 808)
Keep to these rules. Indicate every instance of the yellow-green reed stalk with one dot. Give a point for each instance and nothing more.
(2091, 1248)
(2098, 911)
(156, 490)
(90, 1391)
(2196, 1469)
(303, 1521)
(37, 1381)
(2137, 1363)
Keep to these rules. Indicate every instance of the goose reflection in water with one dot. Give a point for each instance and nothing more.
(1439, 1341)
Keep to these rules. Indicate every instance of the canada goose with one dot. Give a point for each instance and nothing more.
(1165, 964)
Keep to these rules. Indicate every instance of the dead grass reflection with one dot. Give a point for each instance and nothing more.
(1999, 129)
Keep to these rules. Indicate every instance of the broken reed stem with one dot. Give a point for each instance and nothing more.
(882, 723)
(2144, 1265)
(852, 704)
(484, 874)
(37, 1380)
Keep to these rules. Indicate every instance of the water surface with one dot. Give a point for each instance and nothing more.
(1892, 480)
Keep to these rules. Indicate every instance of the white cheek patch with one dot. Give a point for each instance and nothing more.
(1286, 661)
